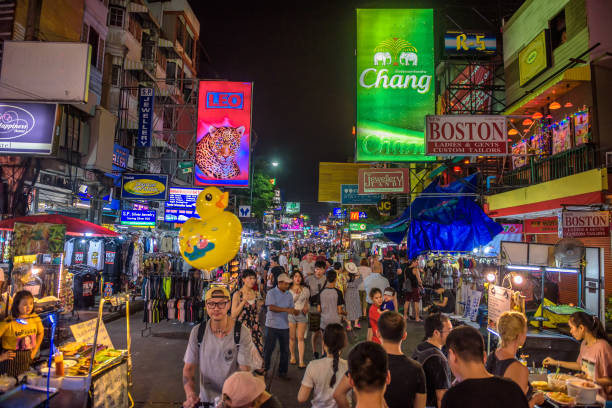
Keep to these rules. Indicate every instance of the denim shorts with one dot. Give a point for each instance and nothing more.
(301, 318)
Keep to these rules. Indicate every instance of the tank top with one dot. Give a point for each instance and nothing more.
(498, 367)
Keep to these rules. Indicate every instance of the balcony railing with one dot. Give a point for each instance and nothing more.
(567, 163)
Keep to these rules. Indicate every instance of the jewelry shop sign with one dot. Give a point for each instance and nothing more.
(386, 181)
(580, 224)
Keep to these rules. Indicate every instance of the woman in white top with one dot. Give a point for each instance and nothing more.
(323, 375)
(297, 324)
(364, 271)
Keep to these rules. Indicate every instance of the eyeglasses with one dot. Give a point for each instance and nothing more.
(217, 305)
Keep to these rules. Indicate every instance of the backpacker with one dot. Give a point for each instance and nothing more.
(422, 356)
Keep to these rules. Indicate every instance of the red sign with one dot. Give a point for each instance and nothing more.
(466, 135)
(388, 181)
(545, 225)
(466, 99)
(354, 216)
(578, 224)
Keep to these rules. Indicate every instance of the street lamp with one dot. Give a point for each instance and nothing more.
(275, 164)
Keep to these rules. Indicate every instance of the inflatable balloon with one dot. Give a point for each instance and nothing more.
(214, 239)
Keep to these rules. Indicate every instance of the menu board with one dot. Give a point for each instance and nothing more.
(562, 138)
(84, 332)
(500, 301)
(581, 128)
(181, 204)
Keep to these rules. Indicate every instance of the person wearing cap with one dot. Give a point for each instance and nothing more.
(279, 302)
(243, 390)
(222, 350)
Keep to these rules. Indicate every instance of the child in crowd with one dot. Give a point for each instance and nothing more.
(323, 375)
(375, 312)
(389, 300)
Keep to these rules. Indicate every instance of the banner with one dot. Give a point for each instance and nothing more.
(385, 181)
(43, 238)
(144, 186)
(395, 83)
(544, 225)
(333, 175)
(292, 207)
(580, 224)
(466, 135)
(349, 195)
(534, 58)
(27, 128)
(146, 100)
(223, 139)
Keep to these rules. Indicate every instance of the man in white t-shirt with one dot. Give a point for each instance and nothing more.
(307, 265)
(284, 262)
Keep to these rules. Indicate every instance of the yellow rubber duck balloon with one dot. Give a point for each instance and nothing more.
(214, 239)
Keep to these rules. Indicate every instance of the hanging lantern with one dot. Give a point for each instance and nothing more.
(512, 132)
(537, 116)
(568, 105)
(554, 105)
(527, 122)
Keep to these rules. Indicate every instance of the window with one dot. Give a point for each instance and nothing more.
(93, 40)
(189, 47)
(115, 75)
(180, 31)
(558, 33)
(170, 73)
(115, 17)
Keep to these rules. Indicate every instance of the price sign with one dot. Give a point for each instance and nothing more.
(84, 332)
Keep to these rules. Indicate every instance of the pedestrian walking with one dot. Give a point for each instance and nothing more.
(368, 372)
(352, 296)
(315, 282)
(297, 323)
(246, 305)
(364, 271)
(280, 304)
(332, 302)
(412, 289)
(218, 348)
(375, 280)
(323, 375)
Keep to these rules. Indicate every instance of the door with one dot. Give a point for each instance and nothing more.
(593, 288)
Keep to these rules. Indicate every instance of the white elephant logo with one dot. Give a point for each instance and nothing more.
(408, 58)
(383, 57)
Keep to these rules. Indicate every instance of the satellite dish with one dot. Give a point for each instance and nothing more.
(569, 252)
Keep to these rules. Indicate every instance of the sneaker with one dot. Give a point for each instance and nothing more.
(357, 326)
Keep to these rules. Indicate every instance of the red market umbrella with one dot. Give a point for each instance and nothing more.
(74, 226)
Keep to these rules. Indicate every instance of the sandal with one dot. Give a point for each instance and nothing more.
(302, 366)
(292, 361)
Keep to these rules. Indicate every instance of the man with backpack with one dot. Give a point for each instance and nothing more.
(429, 354)
(219, 347)
(391, 270)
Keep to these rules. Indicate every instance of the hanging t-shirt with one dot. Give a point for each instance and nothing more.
(20, 334)
(80, 252)
(68, 249)
(112, 260)
(95, 255)
(84, 289)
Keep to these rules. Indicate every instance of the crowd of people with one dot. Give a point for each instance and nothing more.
(329, 296)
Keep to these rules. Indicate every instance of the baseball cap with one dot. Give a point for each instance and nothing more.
(242, 388)
(215, 290)
(283, 277)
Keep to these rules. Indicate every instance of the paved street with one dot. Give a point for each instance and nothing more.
(158, 361)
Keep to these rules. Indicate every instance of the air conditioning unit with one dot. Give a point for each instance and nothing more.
(608, 159)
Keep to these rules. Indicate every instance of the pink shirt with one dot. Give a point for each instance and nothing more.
(596, 362)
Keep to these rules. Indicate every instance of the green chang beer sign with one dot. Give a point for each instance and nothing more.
(395, 83)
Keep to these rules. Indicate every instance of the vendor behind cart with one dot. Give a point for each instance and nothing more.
(22, 334)
(595, 358)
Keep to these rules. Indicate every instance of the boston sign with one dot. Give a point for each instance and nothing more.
(384, 181)
(579, 224)
(466, 135)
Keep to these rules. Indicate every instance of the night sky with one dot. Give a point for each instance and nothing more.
(301, 59)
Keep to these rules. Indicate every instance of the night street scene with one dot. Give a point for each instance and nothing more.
(330, 204)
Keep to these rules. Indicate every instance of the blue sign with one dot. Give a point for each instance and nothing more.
(27, 128)
(339, 213)
(181, 204)
(145, 116)
(460, 43)
(349, 195)
(138, 218)
(120, 157)
(144, 186)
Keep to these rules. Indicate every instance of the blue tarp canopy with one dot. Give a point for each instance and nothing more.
(442, 219)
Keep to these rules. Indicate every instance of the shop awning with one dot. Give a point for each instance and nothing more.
(558, 85)
(74, 226)
(540, 199)
(132, 65)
